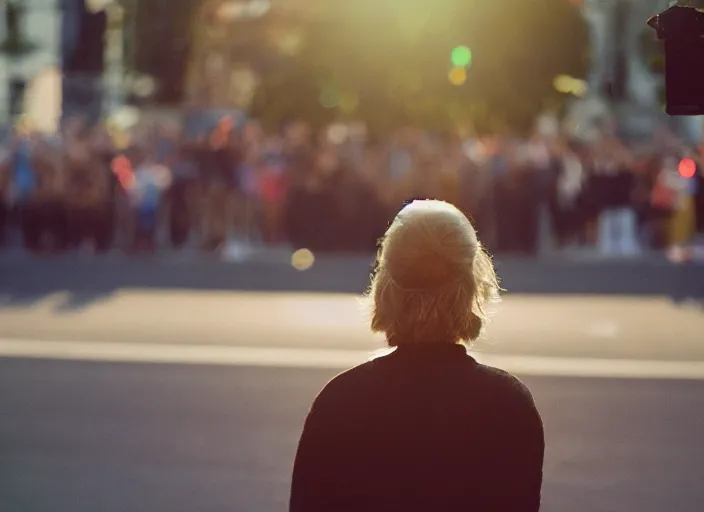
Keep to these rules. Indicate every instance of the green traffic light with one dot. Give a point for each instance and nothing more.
(461, 57)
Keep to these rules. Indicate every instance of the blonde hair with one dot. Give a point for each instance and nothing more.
(433, 279)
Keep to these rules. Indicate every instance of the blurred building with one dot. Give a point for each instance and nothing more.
(83, 36)
(621, 80)
(619, 64)
(29, 35)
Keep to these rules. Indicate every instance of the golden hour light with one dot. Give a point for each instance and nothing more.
(369, 255)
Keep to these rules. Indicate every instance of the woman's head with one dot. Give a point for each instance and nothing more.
(433, 280)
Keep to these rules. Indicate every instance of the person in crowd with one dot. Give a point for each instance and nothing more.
(272, 192)
(424, 427)
(475, 187)
(507, 192)
(651, 229)
(355, 144)
(200, 150)
(518, 204)
(359, 212)
(697, 188)
(566, 211)
(544, 165)
(213, 227)
(104, 153)
(680, 190)
(375, 206)
(184, 172)
(222, 161)
(402, 163)
(297, 138)
(7, 159)
(297, 150)
(151, 180)
(47, 199)
(87, 188)
(247, 208)
(189, 169)
(497, 164)
(529, 171)
(409, 158)
(5, 182)
(236, 181)
(613, 183)
(372, 166)
(311, 209)
(427, 174)
(25, 194)
(453, 162)
(679, 193)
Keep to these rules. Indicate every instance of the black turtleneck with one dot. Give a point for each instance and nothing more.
(425, 427)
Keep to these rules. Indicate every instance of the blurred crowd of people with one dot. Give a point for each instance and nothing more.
(336, 190)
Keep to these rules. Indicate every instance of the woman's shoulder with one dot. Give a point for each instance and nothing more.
(492, 381)
(348, 381)
(505, 385)
(513, 405)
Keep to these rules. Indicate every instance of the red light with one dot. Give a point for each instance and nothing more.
(687, 168)
(122, 167)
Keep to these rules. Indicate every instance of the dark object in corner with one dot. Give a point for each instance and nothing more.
(682, 29)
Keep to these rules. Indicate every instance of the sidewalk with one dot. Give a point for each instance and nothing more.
(238, 251)
(241, 252)
(272, 270)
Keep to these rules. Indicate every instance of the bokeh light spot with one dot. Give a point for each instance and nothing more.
(349, 103)
(461, 57)
(302, 259)
(329, 98)
(338, 133)
(290, 43)
(566, 84)
(457, 76)
(143, 86)
(687, 168)
(122, 167)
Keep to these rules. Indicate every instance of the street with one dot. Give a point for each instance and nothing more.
(168, 398)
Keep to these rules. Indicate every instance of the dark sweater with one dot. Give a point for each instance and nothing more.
(425, 428)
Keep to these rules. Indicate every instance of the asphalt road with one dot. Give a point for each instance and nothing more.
(87, 437)
(167, 397)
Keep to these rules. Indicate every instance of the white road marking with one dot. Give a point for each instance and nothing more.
(333, 359)
(596, 368)
(182, 354)
(603, 330)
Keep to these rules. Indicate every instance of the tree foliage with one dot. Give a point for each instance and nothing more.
(393, 56)
(160, 39)
(15, 43)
